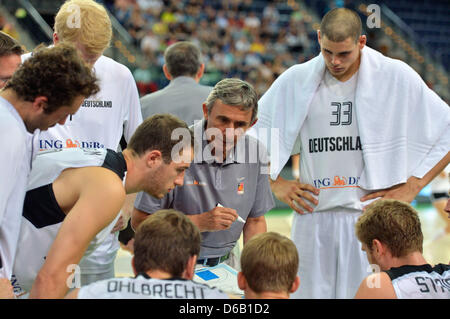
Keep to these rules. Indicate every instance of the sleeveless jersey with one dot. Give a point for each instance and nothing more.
(115, 109)
(42, 216)
(330, 147)
(145, 287)
(421, 282)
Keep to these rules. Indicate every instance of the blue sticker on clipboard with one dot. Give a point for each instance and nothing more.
(207, 275)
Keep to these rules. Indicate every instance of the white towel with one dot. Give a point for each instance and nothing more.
(404, 126)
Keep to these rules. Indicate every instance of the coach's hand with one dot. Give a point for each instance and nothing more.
(289, 191)
(218, 218)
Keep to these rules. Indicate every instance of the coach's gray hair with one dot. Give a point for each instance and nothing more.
(234, 92)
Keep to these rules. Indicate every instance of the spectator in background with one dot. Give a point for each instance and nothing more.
(10, 52)
(184, 95)
(214, 27)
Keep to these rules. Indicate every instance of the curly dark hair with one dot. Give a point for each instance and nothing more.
(57, 73)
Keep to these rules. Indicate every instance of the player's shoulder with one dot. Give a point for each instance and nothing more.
(111, 68)
(11, 126)
(93, 290)
(391, 66)
(101, 176)
(376, 286)
(210, 291)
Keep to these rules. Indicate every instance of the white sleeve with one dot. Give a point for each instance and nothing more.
(13, 155)
(133, 113)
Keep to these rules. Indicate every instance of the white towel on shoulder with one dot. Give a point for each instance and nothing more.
(404, 125)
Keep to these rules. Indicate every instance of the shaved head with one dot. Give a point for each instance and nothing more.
(341, 23)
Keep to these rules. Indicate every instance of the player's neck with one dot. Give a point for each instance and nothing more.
(131, 183)
(266, 295)
(413, 259)
(159, 274)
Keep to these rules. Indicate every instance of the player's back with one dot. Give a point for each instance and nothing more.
(421, 282)
(145, 287)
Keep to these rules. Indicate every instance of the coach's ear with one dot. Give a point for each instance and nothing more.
(205, 111)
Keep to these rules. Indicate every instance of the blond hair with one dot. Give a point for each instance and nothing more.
(85, 22)
(269, 263)
(394, 223)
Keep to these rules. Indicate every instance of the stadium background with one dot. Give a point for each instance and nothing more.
(256, 40)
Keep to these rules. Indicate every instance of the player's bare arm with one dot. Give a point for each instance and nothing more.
(91, 203)
(376, 286)
(408, 191)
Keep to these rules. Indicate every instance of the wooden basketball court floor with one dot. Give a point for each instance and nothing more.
(436, 246)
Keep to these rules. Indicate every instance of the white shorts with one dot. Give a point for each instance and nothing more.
(332, 264)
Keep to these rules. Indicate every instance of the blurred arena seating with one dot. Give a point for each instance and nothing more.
(255, 40)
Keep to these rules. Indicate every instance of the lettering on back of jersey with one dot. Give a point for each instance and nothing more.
(169, 290)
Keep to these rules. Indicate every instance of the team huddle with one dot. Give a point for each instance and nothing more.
(201, 165)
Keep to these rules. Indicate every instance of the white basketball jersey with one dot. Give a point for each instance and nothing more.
(330, 146)
(100, 123)
(421, 282)
(42, 216)
(144, 287)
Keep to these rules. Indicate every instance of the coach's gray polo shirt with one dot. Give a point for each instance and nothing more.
(237, 183)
